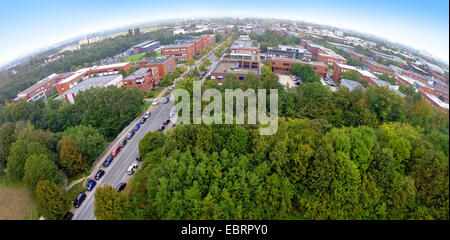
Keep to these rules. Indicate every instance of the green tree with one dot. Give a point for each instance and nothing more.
(109, 204)
(90, 141)
(51, 200)
(354, 75)
(71, 158)
(39, 167)
(190, 62)
(305, 72)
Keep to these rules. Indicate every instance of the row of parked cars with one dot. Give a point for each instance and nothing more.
(297, 80)
(131, 170)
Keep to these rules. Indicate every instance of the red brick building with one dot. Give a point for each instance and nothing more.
(143, 78)
(42, 88)
(330, 59)
(166, 65)
(96, 71)
(283, 65)
(377, 68)
(357, 56)
(339, 69)
(182, 52)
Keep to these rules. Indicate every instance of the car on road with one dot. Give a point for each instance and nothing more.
(170, 87)
(130, 135)
(166, 122)
(91, 185)
(68, 216)
(166, 100)
(147, 115)
(171, 114)
(99, 174)
(162, 128)
(115, 151)
(132, 169)
(123, 143)
(79, 199)
(121, 186)
(142, 121)
(138, 158)
(155, 102)
(136, 127)
(108, 161)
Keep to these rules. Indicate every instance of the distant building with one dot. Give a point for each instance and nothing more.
(377, 68)
(143, 78)
(286, 51)
(146, 46)
(244, 43)
(186, 48)
(42, 88)
(95, 82)
(224, 68)
(323, 54)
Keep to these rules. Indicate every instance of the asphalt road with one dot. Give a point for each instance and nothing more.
(116, 172)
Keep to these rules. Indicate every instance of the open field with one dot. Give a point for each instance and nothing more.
(15, 204)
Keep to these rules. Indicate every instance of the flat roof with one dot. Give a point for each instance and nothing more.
(110, 66)
(95, 82)
(75, 75)
(299, 61)
(144, 43)
(437, 100)
(138, 73)
(185, 44)
(232, 67)
(38, 83)
(153, 60)
(350, 84)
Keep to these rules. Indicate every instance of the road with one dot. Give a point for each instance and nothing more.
(116, 172)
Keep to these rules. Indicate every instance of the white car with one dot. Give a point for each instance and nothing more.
(171, 115)
(155, 102)
(170, 87)
(132, 169)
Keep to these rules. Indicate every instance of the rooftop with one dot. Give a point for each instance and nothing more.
(437, 101)
(153, 60)
(95, 82)
(138, 73)
(179, 45)
(350, 84)
(231, 67)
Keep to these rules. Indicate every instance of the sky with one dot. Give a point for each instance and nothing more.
(28, 25)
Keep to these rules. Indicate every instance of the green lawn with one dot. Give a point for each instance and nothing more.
(134, 58)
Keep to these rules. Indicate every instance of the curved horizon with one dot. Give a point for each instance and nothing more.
(424, 28)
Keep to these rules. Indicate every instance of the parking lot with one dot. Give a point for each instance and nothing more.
(287, 80)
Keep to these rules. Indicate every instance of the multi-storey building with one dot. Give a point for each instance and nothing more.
(293, 52)
(166, 65)
(42, 88)
(284, 65)
(188, 47)
(95, 82)
(244, 43)
(377, 68)
(146, 46)
(143, 78)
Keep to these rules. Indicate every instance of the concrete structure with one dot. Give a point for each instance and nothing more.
(351, 85)
(143, 78)
(285, 51)
(166, 65)
(224, 68)
(244, 43)
(104, 81)
(284, 65)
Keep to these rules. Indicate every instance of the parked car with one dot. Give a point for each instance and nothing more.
(91, 185)
(121, 186)
(123, 143)
(170, 87)
(155, 102)
(136, 127)
(99, 174)
(130, 135)
(171, 114)
(147, 115)
(108, 161)
(162, 128)
(142, 121)
(138, 158)
(79, 199)
(68, 216)
(166, 100)
(115, 151)
(166, 122)
(132, 169)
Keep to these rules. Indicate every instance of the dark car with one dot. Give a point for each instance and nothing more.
(166, 122)
(91, 185)
(123, 143)
(142, 121)
(79, 199)
(68, 216)
(130, 135)
(99, 174)
(162, 128)
(136, 127)
(166, 100)
(121, 186)
(108, 161)
(138, 158)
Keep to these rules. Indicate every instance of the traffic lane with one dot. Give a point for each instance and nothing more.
(116, 172)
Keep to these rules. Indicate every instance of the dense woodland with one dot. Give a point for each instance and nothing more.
(336, 155)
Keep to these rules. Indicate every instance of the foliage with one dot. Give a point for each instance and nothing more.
(71, 159)
(39, 167)
(109, 204)
(90, 141)
(305, 72)
(51, 200)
